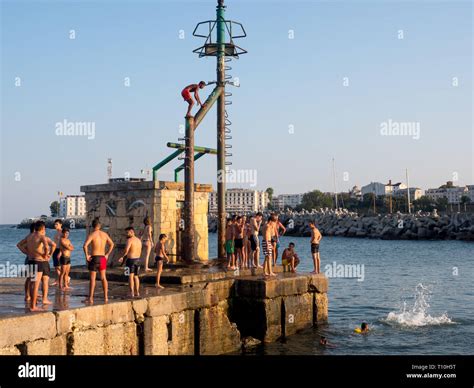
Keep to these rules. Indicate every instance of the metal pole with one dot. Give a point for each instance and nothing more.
(188, 251)
(221, 172)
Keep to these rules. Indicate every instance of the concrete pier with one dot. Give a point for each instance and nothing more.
(204, 311)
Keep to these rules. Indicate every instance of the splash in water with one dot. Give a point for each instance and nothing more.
(418, 314)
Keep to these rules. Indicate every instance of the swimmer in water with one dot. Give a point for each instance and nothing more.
(364, 328)
(324, 342)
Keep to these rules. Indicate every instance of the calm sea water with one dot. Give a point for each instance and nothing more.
(417, 296)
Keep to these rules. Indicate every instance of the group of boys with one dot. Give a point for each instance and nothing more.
(98, 246)
(243, 242)
(38, 249)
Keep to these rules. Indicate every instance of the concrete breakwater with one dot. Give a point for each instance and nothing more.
(418, 226)
(204, 314)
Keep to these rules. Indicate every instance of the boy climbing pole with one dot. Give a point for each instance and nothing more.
(186, 93)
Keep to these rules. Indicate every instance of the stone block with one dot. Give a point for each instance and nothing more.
(10, 351)
(217, 335)
(116, 339)
(16, 330)
(321, 307)
(56, 346)
(181, 334)
(156, 335)
(298, 313)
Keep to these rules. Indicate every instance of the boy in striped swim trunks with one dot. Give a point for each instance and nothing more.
(267, 247)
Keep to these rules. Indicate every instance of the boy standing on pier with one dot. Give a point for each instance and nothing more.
(133, 251)
(97, 260)
(22, 247)
(255, 223)
(186, 94)
(315, 240)
(267, 247)
(58, 225)
(229, 243)
(161, 256)
(65, 260)
(239, 241)
(39, 248)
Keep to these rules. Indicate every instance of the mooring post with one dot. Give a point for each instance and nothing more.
(221, 165)
(188, 251)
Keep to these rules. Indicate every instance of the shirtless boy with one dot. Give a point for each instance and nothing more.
(22, 247)
(315, 240)
(133, 251)
(276, 237)
(186, 94)
(161, 256)
(58, 225)
(267, 248)
(255, 223)
(97, 260)
(39, 248)
(65, 260)
(290, 258)
(229, 243)
(239, 241)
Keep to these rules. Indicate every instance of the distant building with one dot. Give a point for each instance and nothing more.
(395, 187)
(240, 201)
(355, 192)
(284, 201)
(415, 193)
(376, 188)
(452, 193)
(381, 189)
(470, 192)
(72, 206)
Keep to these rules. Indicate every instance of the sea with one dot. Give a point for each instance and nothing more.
(416, 296)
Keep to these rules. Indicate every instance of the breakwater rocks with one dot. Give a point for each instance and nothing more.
(71, 223)
(418, 226)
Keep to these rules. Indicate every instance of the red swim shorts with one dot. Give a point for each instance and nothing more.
(186, 95)
(97, 263)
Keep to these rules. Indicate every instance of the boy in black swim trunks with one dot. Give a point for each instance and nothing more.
(65, 260)
(133, 251)
(315, 240)
(22, 247)
(58, 224)
(160, 252)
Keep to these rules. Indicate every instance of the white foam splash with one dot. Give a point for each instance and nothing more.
(417, 315)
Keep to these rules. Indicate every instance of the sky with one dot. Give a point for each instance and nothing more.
(321, 80)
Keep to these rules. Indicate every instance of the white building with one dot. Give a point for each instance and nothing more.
(452, 193)
(355, 192)
(240, 201)
(72, 206)
(415, 193)
(284, 201)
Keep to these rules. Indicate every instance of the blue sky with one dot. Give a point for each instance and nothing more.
(285, 83)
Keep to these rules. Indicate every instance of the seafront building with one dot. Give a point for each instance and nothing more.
(415, 193)
(240, 201)
(285, 201)
(452, 193)
(72, 206)
(380, 189)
